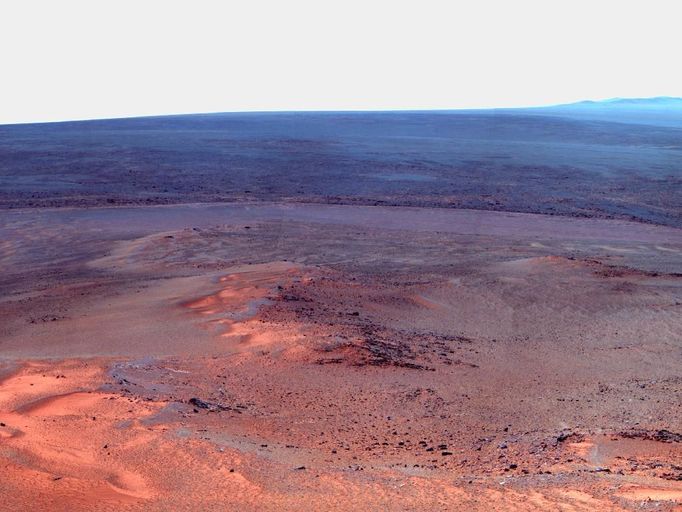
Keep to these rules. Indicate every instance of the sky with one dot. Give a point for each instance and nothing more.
(71, 59)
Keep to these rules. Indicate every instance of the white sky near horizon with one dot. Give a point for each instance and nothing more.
(72, 59)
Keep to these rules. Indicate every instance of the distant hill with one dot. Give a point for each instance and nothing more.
(659, 111)
(658, 102)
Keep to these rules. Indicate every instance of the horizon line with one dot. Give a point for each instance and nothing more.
(335, 111)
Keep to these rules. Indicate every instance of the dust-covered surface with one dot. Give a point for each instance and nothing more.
(582, 162)
(289, 357)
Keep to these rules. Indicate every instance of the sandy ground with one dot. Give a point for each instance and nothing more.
(294, 357)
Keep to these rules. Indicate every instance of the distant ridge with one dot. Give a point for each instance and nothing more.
(654, 102)
(654, 111)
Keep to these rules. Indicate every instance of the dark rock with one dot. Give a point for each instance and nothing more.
(663, 436)
(209, 406)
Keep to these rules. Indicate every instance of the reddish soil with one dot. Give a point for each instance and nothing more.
(477, 361)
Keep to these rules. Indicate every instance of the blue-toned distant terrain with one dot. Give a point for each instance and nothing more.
(661, 111)
(621, 158)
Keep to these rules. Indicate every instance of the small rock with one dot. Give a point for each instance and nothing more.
(563, 436)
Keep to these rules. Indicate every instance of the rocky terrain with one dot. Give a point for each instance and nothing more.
(279, 356)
